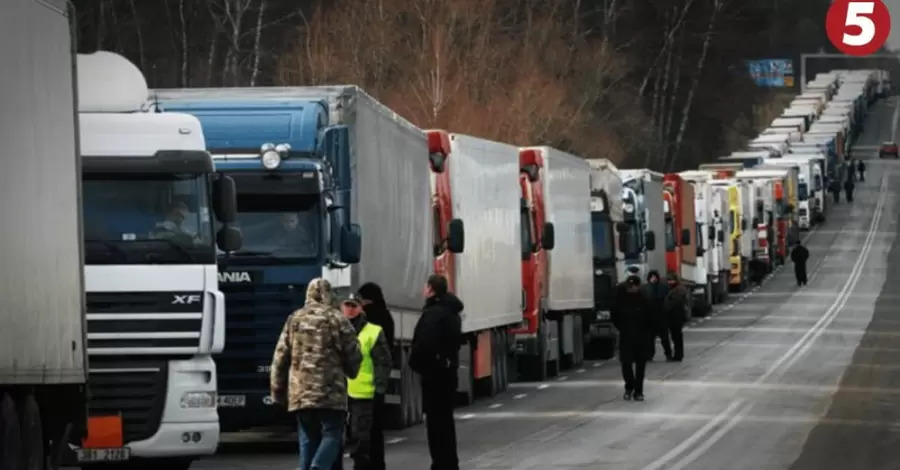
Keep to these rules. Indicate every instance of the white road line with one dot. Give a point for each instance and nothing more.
(494, 406)
(519, 396)
(543, 386)
(562, 377)
(395, 440)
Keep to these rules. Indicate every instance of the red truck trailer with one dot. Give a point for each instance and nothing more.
(681, 229)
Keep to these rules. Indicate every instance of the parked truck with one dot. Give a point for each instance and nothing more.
(320, 167)
(569, 294)
(535, 347)
(779, 178)
(709, 208)
(809, 194)
(792, 196)
(478, 216)
(644, 218)
(609, 265)
(43, 383)
(681, 238)
(155, 316)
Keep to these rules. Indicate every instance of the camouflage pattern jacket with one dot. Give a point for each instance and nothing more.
(317, 352)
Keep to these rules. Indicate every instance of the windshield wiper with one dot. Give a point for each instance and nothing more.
(111, 247)
(187, 254)
(251, 253)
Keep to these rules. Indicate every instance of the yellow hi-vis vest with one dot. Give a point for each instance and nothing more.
(363, 386)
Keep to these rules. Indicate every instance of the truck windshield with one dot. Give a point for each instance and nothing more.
(147, 218)
(601, 232)
(278, 228)
(803, 189)
(670, 234)
(632, 240)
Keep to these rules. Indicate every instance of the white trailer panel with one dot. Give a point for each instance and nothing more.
(484, 184)
(42, 337)
(567, 199)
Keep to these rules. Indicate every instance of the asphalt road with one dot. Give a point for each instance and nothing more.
(779, 378)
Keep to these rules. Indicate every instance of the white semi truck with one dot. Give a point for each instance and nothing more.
(43, 344)
(644, 218)
(155, 316)
(710, 208)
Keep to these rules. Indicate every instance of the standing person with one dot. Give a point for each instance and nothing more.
(371, 382)
(835, 188)
(315, 355)
(656, 293)
(631, 317)
(678, 308)
(799, 256)
(848, 189)
(861, 168)
(434, 354)
(377, 313)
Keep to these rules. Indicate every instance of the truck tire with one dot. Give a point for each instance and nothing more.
(505, 354)
(10, 435)
(34, 456)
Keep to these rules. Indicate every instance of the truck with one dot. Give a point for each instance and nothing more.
(808, 208)
(643, 215)
(798, 124)
(476, 203)
(609, 265)
(43, 383)
(739, 262)
(569, 292)
(710, 206)
(155, 212)
(792, 195)
(779, 178)
(681, 238)
(535, 348)
(330, 183)
(764, 218)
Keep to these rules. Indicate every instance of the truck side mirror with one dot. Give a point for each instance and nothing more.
(456, 236)
(721, 236)
(743, 224)
(548, 241)
(711, 233)
(650, 240)
(685, 236)
(351, 244)
(224, 199)
(229, 239)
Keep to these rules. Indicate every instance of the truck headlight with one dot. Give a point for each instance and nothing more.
(271, 159)
(198, 400)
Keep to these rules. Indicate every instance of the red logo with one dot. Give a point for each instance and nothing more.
(858, 28)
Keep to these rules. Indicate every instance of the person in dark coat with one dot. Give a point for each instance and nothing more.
(656, 292)
(861, 168)
(678, 309)
(434, 354)
(799, 256)
(848, 189)
(377, 313)
(835, 188)
(631, 317)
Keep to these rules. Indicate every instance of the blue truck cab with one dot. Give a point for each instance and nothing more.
(291, 170)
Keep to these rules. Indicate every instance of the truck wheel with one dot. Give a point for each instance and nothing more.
(10, 435)
(504, 360)
(32, 436)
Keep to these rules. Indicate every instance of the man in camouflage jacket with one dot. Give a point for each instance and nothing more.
(315, 355)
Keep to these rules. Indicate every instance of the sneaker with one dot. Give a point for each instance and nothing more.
(627, 396)
(638, 397)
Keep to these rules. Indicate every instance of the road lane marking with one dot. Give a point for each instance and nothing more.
(754, 386)
(519, 396)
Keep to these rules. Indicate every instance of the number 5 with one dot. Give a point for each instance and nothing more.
(855, 10)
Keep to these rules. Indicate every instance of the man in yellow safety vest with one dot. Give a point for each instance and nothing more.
(369, 385)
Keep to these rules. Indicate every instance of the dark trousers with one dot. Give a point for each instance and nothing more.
(849, 194)
(800, 274)
(365, 435)
(676, 331)
(663, 334)
(439, 395)
(632, 357)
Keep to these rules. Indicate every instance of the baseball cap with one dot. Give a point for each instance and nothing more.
(352, 299)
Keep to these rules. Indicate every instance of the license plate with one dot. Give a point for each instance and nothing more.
(104, 455)
(232, 401)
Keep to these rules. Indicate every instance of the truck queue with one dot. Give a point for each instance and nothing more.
(280, 186)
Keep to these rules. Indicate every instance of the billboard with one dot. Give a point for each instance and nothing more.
(772, 73)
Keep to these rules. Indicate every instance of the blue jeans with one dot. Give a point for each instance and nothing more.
(321, 435)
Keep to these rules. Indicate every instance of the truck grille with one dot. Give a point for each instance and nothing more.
(255, 315)
(133, 387)
(603, 291)
(144, 322)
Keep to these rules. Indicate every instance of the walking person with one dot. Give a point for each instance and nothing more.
(861, 168)
(434, 354)
(315, 355)
(678, 311)
(848, 189)
(370, 382)
(799, 256)
(656, 292)
(631, 317)
(377, 313)
(835, 188)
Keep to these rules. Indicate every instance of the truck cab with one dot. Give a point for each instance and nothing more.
(711, 286)
(291, 169)
(643, 218)
(608, 263)
(155, 316)
(735, 225)
(681, 231)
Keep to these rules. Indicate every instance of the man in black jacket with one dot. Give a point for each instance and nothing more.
(656, 293)
(800, 255)
(434, 354)
(631, 317)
